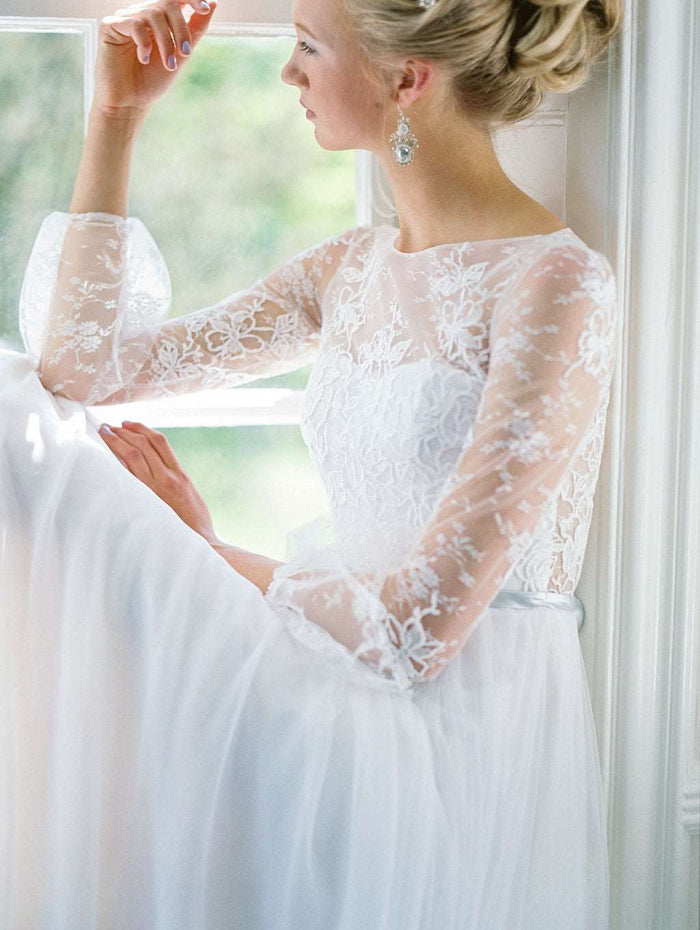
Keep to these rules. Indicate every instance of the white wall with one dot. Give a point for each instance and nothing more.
(632, 190)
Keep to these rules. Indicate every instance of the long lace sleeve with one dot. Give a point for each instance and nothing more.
(95, 300)
(550, 367)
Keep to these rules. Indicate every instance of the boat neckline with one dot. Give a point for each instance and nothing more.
(445, 245)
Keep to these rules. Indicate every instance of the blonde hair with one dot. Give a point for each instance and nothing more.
(502, 55)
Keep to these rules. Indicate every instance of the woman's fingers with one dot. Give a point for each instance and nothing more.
(142, 38)
(130, 454)
(158, 441)
(188, 33)
(178, 27)
(142, 456)
(141, 28)
(164, 22)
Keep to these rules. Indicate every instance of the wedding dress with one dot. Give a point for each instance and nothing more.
(398, 735)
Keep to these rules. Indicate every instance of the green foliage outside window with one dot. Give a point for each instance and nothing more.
(229, 179)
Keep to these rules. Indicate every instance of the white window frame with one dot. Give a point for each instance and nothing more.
(249, 18)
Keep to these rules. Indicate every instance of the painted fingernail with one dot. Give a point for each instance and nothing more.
(105, 429)
(186, 47)
(205, 6)
(172, 64)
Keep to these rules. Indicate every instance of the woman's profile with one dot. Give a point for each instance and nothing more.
(393, 729)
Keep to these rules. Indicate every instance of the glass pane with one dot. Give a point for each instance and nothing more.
(245, 475)
(41, 127)
(244, 185)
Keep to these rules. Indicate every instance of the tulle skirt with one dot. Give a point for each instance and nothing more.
(173, 758)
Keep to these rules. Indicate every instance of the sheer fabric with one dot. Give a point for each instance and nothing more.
(526, 325)
(377, 741)
(94, 300)
(541, 404)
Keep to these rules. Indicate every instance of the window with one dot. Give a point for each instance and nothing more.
(224, 208)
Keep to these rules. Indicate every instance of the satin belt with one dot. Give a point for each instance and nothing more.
(554, 599)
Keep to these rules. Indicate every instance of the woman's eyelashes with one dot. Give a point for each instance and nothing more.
(305, 48)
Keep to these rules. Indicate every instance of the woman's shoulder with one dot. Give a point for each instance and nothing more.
(576, 247)
(564, 271)
(562, 255)
(326, 256)
(351, 237)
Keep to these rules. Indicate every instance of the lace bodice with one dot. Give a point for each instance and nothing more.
(455, 411)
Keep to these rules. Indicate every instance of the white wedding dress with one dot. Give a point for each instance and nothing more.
(398, 735)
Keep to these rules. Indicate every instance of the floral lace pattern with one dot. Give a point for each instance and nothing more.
(96, 292)
(456, 410)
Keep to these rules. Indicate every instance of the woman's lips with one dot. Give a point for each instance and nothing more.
(309, 113)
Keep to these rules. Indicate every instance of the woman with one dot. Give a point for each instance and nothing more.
(392, 730)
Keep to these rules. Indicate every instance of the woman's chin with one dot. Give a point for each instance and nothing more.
(327, 142)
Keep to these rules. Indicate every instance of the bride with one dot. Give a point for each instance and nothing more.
(392, 730)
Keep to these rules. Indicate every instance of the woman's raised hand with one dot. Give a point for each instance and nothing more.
(140, 49)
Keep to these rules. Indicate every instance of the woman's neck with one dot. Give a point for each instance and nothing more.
(455, 190)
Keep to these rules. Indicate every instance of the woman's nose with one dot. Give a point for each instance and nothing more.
(288, 73)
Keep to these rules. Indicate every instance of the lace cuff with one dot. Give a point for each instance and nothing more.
(362, 649)
(94, 291)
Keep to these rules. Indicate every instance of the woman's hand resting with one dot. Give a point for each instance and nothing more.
(148, 455)
(139, 50)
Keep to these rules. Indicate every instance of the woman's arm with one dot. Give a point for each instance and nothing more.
(256, 568)
(102, 185)
(97, 292)
(96, 297)
(131, 74)
(125, 89)
(102, 182)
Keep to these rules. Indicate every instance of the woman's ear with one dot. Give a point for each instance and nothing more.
(415, 78)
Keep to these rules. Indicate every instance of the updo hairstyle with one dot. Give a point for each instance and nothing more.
(501, 55)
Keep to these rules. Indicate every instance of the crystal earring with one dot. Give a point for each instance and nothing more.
(402, 141)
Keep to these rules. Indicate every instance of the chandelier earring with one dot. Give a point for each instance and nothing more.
(402, 141)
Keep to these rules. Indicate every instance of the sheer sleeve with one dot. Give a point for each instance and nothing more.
(550, 368)
(95, 300)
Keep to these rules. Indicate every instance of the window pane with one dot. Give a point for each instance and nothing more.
(41, 127)
(258, 481)
(229, 177)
